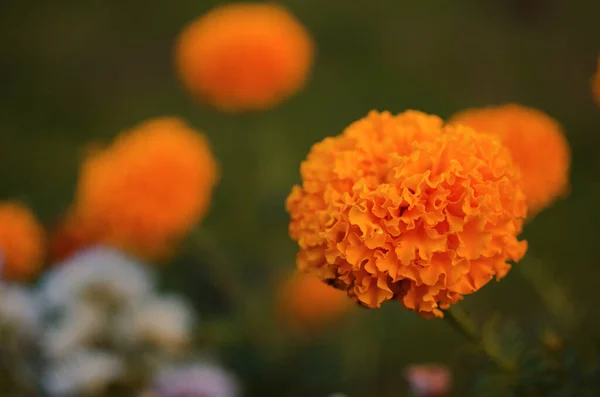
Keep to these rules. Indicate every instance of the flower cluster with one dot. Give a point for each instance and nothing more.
(405, 207)
(100, 312)
(95, 322)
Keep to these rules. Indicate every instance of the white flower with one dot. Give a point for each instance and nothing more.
(79, 324)
(164, 322)
(82, 373)
(19, 310)
(195, 380)
(99, 273)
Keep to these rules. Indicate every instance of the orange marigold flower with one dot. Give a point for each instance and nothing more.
(147, 189)
(246, 56)
(21, 242)
(537, 144)
(306, 301)
(596, 84)
(405, 207)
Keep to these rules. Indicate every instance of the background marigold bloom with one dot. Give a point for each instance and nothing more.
(537, 144)
(306, 301)
(21, 242)
(596, 84)
(405, 207)
(149, 188)
(247, 56)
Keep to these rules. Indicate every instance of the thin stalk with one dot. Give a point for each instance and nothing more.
(552, 294)
(227, 278)
(223, 272)
(242, 179)
(462, 323)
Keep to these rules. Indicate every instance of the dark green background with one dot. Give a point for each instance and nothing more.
(75, 72)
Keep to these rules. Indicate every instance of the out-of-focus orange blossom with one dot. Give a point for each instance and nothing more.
(306, 302)
(147, 190)
(404, 207)
(22, 242)
(537, 144)
(244, 56)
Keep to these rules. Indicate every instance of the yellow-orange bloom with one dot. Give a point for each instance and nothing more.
(147, 189)
(21, 242)
(596, 84)
(405, 207)
(307, 302)
(246, 56)
(537, 145)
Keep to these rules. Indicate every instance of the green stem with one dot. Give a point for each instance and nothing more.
(552, 294)
(242, 179)
(461, 322)
(222, 271)
(227, 278)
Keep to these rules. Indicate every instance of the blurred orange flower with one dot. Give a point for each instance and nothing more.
(306, 301)
(246, 56)
(147, 189)
(21, 242)
(404, 207)
(596, 84)
(537, 145)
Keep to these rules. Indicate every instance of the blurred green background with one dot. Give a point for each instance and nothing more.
(74, 72)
